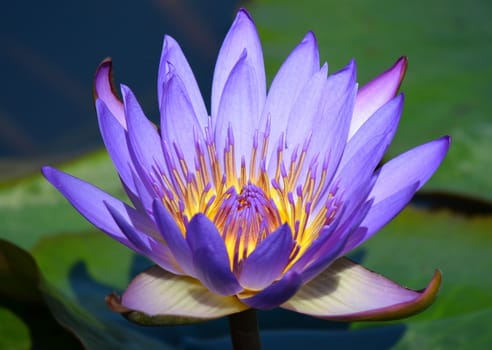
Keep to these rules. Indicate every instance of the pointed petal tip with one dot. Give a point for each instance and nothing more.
(125, 91)
(446, 139)
(439, 147)
(168, 40)
(103, 78)
(400, 65)
(350, 67)
(113, 301)
(310, 37)
(243, 13)
(46, 170)
(443, 143)
(54, 176)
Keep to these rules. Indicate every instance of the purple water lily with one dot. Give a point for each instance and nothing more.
(255, 204)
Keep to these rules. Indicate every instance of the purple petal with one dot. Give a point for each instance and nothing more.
(144, 194)
(179, 124)
(306, 109)
(114, 137)
(276, 294)
(400, 178)
(268, 260)
(322, 114)
(173, 237)
(376, 93)
(348, 292)
(172, 58)
(144, 144)
(365, 150)
(104, 90)
(158, 292)
(335, 245)
(146, 245)
(379, 215)
(382, 125)
(414, 166)
(242, 36)
(330, 129)
(291, 78)
(210, 258)
(90, 201)
(239, 110)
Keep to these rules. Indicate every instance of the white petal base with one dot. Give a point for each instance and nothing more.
(157, 297)
(347, 291)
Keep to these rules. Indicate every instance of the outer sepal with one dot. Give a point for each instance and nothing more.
(157, 297)
(113, 301)
(347, 291)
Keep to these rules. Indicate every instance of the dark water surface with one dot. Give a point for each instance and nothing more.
(49, 53)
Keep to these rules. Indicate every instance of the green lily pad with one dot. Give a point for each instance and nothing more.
(28, 303)
(25, 320)
(446, 87)
(14, 333)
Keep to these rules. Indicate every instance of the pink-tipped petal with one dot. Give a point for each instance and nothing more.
(347, 291)
(172, 58)
(158, 297)
(242, 36)
(104, 90)
(376, 93)
(210, 258)
(270, 257)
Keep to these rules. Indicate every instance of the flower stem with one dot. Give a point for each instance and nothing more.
(244, 330)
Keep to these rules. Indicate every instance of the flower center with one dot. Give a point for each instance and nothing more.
(249, 202)
(245, 219)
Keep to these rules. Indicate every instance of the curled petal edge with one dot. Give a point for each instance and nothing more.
(403, 310)
(105, 90)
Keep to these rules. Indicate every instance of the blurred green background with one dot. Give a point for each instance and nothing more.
(55, 269)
